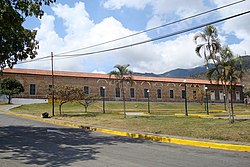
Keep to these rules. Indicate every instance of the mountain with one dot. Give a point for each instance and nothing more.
(177, 73)
(186, 73)
(200, 73)
(246, 75)
(145, 74)
(246, 62)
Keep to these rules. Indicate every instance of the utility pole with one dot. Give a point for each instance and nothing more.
(52, 75)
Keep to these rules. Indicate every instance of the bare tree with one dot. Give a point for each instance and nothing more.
(65, 94)
(87, 100)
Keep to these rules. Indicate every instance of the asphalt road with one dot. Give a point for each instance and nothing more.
(30, 143)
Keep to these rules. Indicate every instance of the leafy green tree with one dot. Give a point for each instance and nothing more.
(16, 42)
(121, 74)
(10, 87)
(247, 94)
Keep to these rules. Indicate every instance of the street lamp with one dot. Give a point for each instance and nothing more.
(185, 86)
(148, 102)
(103, 102)
(206, 99)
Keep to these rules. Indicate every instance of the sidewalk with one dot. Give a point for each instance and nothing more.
(148, 136)
(8, 107)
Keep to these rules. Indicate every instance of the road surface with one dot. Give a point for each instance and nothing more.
(29, 143)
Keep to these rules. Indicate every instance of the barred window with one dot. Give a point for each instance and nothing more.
(183, 93)
(86, 90)
(102, 91)
(117, 92)
(146, 93)
(32, 89)
(159, 93)
(171, 94)
(132, 92)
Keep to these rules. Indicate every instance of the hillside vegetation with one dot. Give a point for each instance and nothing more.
(245, 79)
(246, 76)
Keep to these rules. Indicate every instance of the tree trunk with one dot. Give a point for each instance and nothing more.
(124, 104)
(86, 108)
(60, 108)
(227, 102)
(232, 105)
(9, 99)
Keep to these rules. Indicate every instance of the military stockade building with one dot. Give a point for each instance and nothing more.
(38, 82)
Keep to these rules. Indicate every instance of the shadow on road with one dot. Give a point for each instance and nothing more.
(53, 147)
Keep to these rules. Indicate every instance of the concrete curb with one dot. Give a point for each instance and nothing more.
(214, 145)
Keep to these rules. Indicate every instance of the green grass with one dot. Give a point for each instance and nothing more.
(3, 103)
(113, 107)
(162, 122)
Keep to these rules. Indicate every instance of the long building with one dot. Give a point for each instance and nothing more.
(37, 84)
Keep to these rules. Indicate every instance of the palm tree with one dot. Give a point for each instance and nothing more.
(121, 74)
(227, 72)
(224, 70)
(208, 43)
(235, 75)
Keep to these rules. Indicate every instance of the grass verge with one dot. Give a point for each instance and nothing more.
(3, 103)
(162, 122)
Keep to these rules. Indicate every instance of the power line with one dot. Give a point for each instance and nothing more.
(164, 25)
(154, 39)
(32, 60)
(70, 56)
(157, 38)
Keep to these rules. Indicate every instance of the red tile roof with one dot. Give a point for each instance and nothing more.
(104, 76)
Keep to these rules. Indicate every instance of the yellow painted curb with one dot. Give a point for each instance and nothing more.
(201, 115)
(217, 111)
(243, 115)
(223, 146)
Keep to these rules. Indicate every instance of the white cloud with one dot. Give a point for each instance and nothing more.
(181, 8)
(166, 11)
(76, 20)
(239, 26)
(155, 21)
(162, 11)
(99, 72)
(156, 57)
(118, 4)
(81, 31)
(48, 39)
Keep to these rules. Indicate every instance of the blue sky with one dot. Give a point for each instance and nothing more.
(69, 25)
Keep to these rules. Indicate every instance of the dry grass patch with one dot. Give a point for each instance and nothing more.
(3, 103)
(165, 123)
